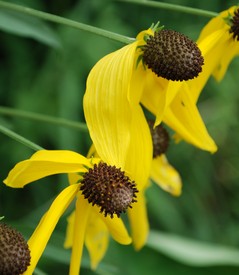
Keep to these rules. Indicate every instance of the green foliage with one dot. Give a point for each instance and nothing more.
(44, 67)
(28, 26)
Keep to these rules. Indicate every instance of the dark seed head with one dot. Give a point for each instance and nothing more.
(172, 55)
(14, 252)
(234, 23)
(160, 138)
(109, 188)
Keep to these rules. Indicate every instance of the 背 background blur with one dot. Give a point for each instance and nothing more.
(43, 69)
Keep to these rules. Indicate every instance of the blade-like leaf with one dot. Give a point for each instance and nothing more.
(28, 26)
(192, 252)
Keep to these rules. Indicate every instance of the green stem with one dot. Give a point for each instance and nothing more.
(43, 118)
(19, 138)
(67, 22)
(172, 7)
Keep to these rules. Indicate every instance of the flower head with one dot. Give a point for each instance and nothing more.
(109, 188)
(160, 138)
(105, 183)
(14, 252)
(172, 55)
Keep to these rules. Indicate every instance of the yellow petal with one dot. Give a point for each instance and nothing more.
(230, 50)
(116, 228)
(70, 230)
(80, 225)
(164, 175)
(139, 158)
(45, 163)
(139, 221)
(154, 94)
(42, 233)
(216, 23)
(97, 239)
(158, 94)
(212, 48)
(183, 117)
(106, 106)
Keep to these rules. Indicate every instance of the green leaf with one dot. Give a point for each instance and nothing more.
(28, 26)
(38, 271)
(192, 252)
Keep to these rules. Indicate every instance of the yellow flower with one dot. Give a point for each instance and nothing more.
(116, 86)
(219, 43)
(90, 226)
(161, 173)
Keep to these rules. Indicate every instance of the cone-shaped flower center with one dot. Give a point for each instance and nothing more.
(234, 22)
(109, 188)
(14, 251)
(172, 55)
(160, 138)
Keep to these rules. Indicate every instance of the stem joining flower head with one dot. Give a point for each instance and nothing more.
(160, 138)
(14, 251)
(172, 55)
(109, 188)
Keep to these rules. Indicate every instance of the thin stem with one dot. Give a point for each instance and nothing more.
(20, 139)
(172, 7)
(43, 118)
(67, 22)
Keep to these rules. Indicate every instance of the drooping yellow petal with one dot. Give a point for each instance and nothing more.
(114, 89)
(70, 230)
(116, 227)
(212, 48)
(80, 225)
(154, 94)
(232, 50)
(106, 106)
(139, 157)
(139, 221)
(97, 239)
(216, 23)
(44, 163)
(183, 117)
(158, 94)
(42, 233)
(164, 175)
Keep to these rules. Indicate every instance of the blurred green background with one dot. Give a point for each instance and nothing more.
(43, 69)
